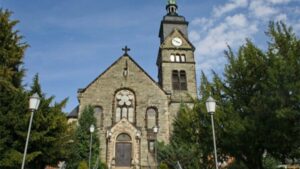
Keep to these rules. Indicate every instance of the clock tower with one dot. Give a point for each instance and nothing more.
(175, 61)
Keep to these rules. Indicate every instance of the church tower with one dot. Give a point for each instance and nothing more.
(132, 110)
(175, 61)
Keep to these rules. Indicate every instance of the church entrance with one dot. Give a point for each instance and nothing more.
(123, 150)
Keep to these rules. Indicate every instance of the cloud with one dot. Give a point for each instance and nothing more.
(210, 47)
(261, 9)
(232, 31)
(230, 6)
(281, 17)
(233, 22)
(278, 1)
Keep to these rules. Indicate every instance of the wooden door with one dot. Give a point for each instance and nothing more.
(123, 154)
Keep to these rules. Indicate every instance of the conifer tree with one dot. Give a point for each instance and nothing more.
(12, 95)
(49, 137)
(12, 50)
(258, 111)
(81, 145)
(47, 143)
(191, 141)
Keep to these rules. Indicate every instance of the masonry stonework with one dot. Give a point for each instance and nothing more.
(131, 104)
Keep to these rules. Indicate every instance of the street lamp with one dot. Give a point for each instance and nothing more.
(211, 109)
(155, 131)
(34, 103)
(92, 129)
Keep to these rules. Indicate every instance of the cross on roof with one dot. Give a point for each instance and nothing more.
(126, 50)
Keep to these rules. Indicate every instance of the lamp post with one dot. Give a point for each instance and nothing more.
(92, 129)
(155, 131)
(211, 109)
(34, 103)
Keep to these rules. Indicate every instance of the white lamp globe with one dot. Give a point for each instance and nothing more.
(34, 102)
(92, 128)
(211, 105)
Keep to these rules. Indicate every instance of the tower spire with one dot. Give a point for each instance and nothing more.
(172, 7)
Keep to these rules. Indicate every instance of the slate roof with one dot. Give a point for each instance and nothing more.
(73, 113)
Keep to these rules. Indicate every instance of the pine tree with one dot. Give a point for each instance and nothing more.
(49, 134)
(12, 96)
(49, 137)
(11, 52)
(81, 144)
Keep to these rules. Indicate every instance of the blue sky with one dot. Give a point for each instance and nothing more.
(73, 41)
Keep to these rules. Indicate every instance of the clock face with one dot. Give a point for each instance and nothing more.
(176, 41)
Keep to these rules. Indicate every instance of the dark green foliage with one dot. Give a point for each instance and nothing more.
(163, 166)
(83, 165)
(191, 142)
(11, 52)
(258, 109)
(47, 144)
(12, 114)
(262, 92)
(81, 145)
(12, 95)
(49, 136)
(237, 165)
(270, 162)
(103, 166)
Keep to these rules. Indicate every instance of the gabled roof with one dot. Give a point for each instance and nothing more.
(73, 113)
(83, 90)
(167, 38)
(182, 35)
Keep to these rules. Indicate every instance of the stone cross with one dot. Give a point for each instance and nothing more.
(126, 50)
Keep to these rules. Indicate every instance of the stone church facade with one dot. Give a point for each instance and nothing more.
(128, 103)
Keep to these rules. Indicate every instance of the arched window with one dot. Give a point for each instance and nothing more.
(125, 105)
(172, 58)
(175, 80)
(183, 85)
(151, 118)
(177, 58)
(179, 80)
(123, 137)
(98, 114)
(183, 58)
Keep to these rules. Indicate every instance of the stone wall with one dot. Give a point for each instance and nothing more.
(101, 92)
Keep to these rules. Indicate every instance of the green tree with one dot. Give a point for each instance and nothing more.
(12, 50)
(49, 135)
(12, 95)
(83, 165)
(81, 144)
(47, 141)
(191, 141)
(258, 108)
(261, 93)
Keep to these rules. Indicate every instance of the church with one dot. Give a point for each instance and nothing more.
(132, 109)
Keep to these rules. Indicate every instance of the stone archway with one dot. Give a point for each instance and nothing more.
(125, 138)
(123, 150)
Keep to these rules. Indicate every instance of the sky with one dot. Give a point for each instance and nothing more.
(73, 41)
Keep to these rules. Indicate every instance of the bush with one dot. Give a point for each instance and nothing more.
(83, 165)
(163, 166)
